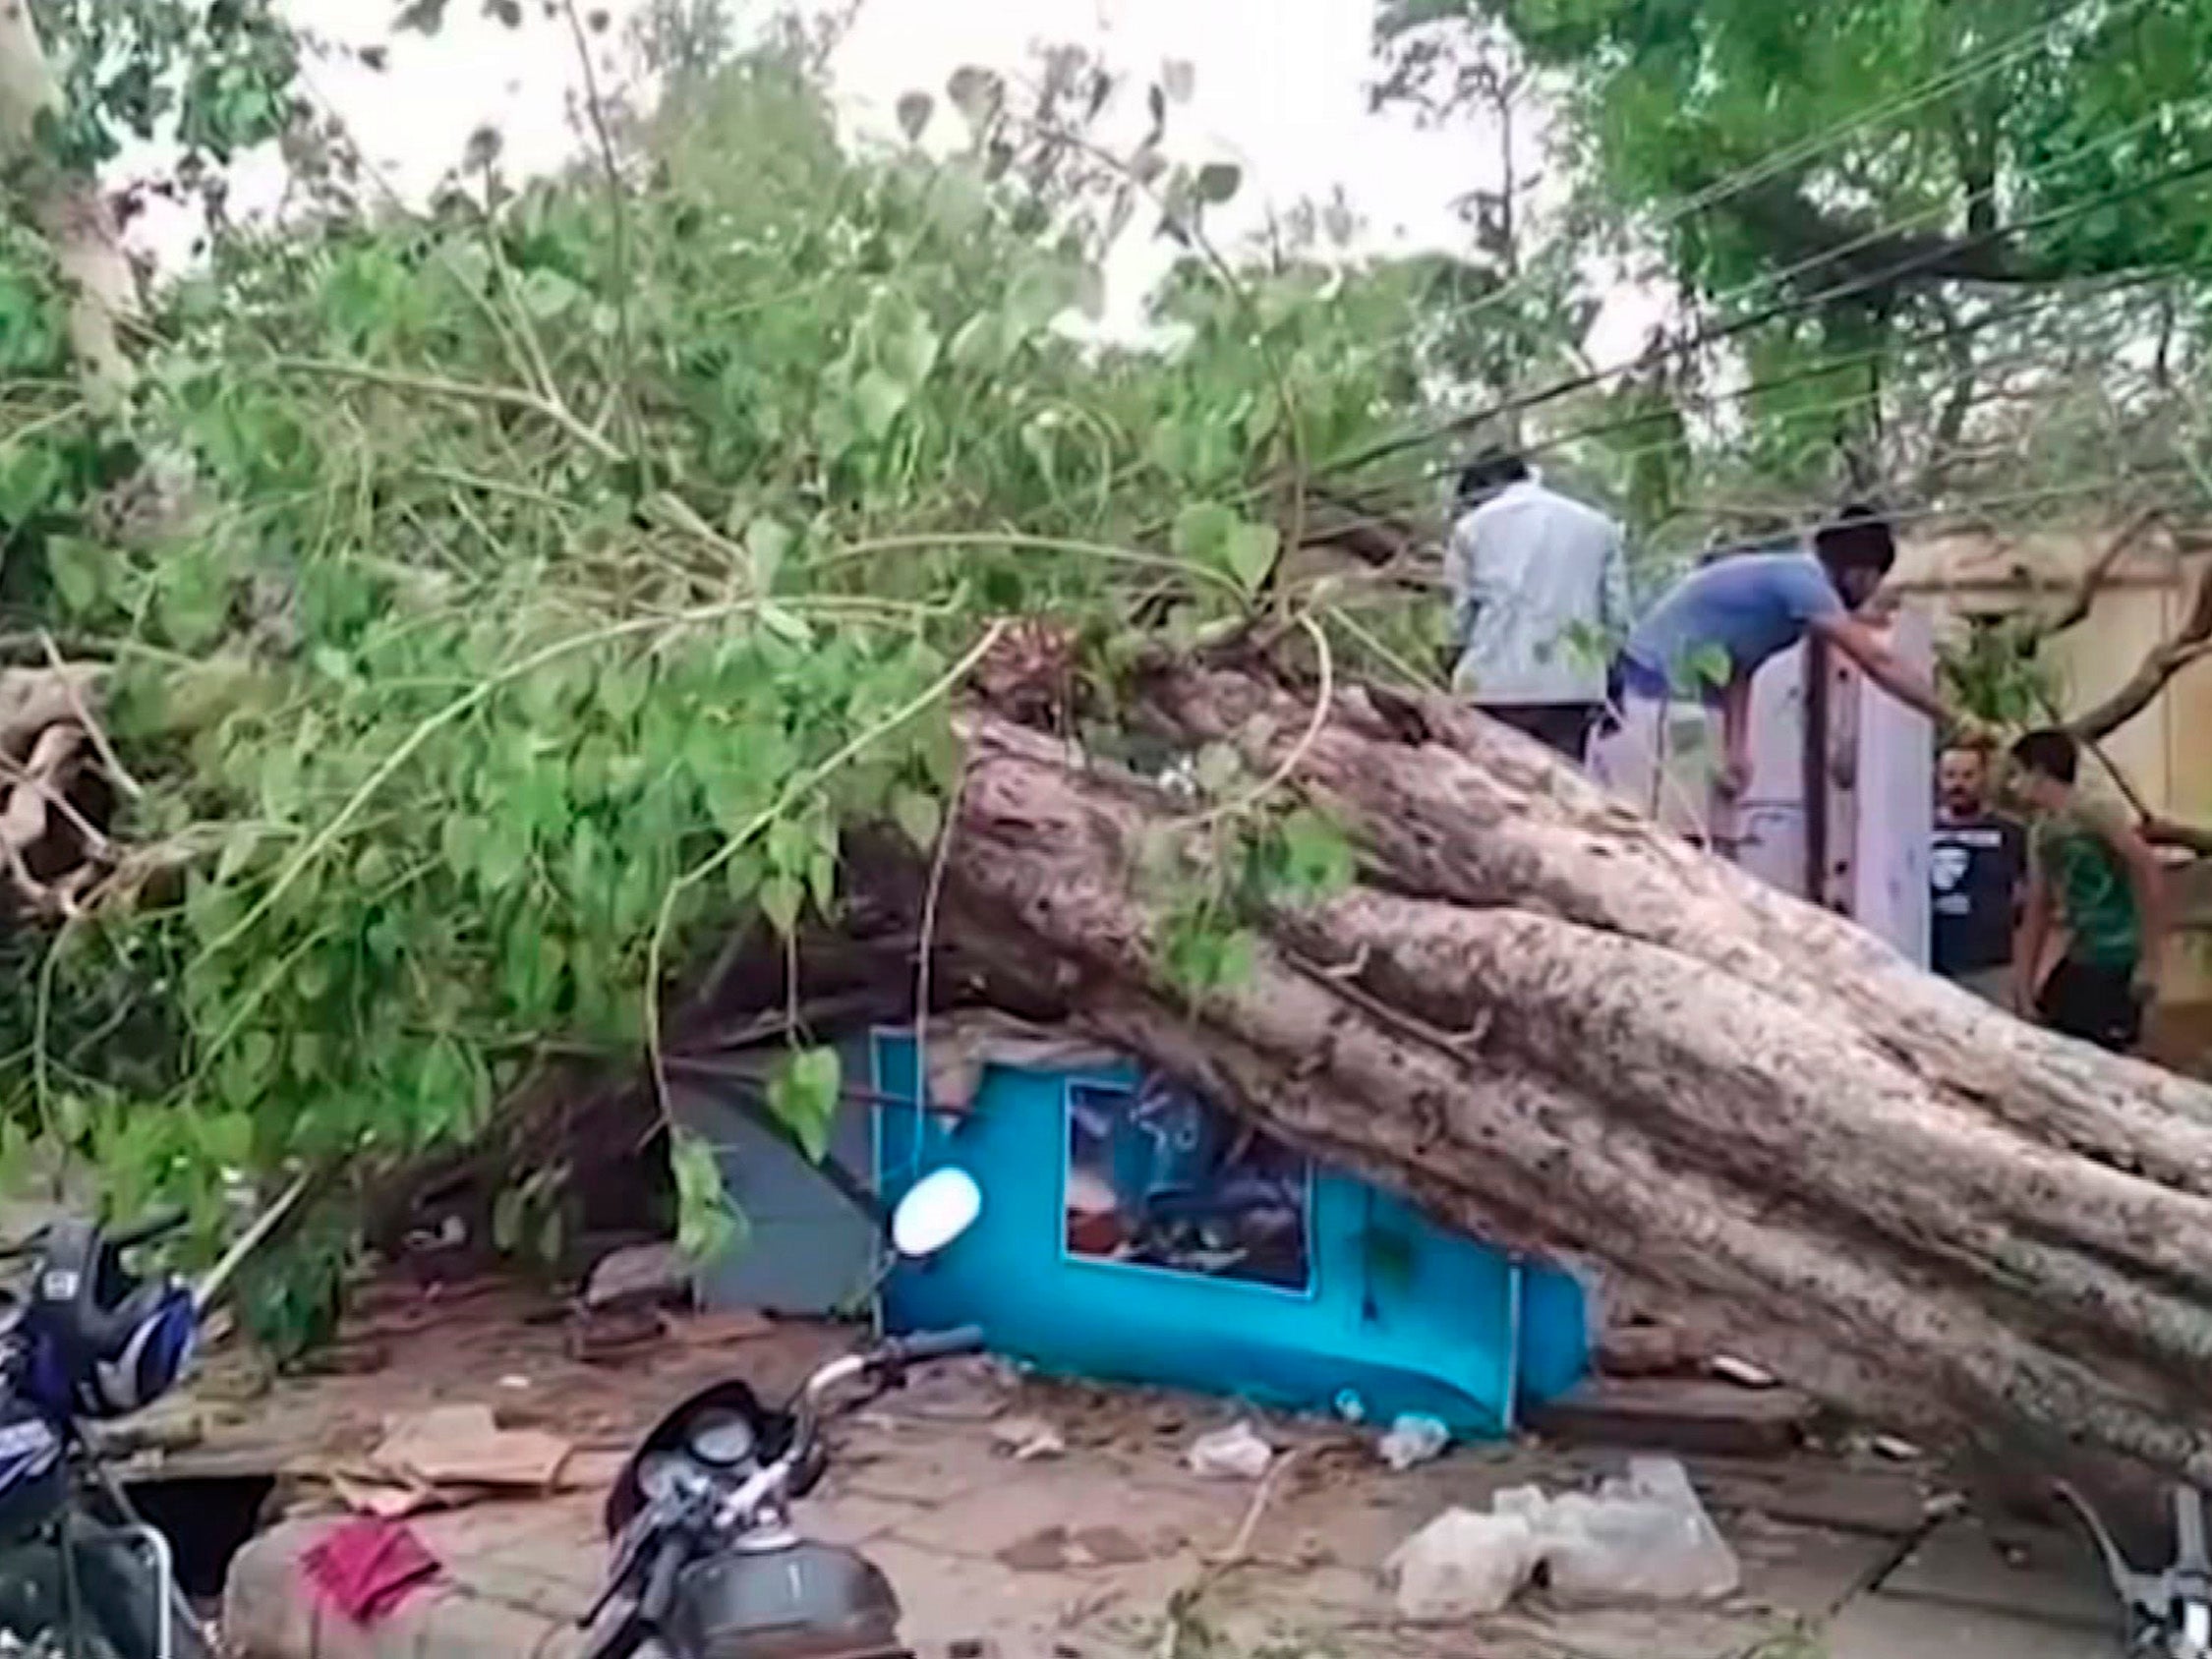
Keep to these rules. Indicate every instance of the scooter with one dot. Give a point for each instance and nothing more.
(88, 1340)
(2168, 1612)
(706, 1563)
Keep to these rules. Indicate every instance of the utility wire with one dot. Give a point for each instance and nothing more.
(1811, 148)
(1908, 346)
(1459, 425)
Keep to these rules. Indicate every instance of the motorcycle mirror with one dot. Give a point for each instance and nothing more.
(936, 1210)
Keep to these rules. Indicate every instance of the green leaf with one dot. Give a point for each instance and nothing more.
(502, 853)
(767, 541)
(547, 294)
(917, 814)
(909, 354)
(510, 1215)
(423, 17)
(980, 342)
(1201, 531)
(192, 598)
(1317, 862)
(786, 624)
(80, 572)
(1248, 550)
(1218, 182)
(707, 1223)
(1090, 292)
(879, 399)
(780, 902)
(804, 1096)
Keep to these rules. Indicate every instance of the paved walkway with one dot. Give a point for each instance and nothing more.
(1082, 1556)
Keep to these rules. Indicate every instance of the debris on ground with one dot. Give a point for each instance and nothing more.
(1643, 1536)
(1236, 1452)
(651, 1274)
(1897, 1450)
(1644, 1349)
(1413, 1440)
(1698, 1416)
(367, 1567)
(610, 1334)
(464, 1446)
(1460, 1565)
(1741, 1372)
(724, 1329)
(1026, 1440)
(1059, 1549)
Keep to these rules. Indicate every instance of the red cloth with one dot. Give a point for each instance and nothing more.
(366, 1567)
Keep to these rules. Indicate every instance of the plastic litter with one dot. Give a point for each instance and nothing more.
(1236, 1452)
(1461, 1565)
(1643, 1537)
(1413, 1440)
(1026, 1440)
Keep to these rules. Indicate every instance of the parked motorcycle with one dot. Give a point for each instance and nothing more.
(706, 1561)
(90, 1341)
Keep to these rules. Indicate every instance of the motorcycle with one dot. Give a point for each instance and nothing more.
(80, 1575)
(706, 1563)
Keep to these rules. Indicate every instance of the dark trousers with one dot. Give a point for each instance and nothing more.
(2095, 1004)
(1563, 726)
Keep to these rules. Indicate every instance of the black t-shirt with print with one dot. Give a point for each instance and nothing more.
(1974, 869)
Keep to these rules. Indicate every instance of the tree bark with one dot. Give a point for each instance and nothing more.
(1551, 1023)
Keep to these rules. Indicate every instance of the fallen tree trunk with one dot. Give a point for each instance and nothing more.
(1553, 1024)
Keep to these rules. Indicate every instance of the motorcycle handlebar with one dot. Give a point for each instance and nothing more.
(927, 1345)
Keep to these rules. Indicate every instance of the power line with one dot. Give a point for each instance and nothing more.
(1811, 147)
(1907, 346)
(1383, 449)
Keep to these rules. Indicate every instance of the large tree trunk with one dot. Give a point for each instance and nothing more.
(1549, 1021)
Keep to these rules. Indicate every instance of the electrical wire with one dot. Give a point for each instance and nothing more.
(1931, 339)
(1458, 425)
(1811, 148)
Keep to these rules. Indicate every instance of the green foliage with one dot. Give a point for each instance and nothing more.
(213, 77)
(1994, 671)
(1836, 192)
(577, 576)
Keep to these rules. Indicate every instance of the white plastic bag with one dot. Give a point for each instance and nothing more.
(1460, 1565)
(1236, 1452)
(1413, 1440)
(1644, 1537)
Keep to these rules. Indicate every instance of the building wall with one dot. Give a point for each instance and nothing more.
(2164, 753)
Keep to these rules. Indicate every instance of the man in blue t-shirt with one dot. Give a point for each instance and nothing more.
(1715, 629)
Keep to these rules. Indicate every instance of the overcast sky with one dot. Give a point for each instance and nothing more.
(1280, 88)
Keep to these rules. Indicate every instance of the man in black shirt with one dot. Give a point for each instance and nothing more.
(1975, 864)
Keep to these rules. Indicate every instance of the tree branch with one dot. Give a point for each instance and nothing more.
(2191, 642)
(2076, 608)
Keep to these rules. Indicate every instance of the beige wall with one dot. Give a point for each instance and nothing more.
(2166, 752)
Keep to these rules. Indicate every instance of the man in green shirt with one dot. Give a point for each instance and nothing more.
(2094, 925)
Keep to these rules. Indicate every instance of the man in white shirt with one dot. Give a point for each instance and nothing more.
(1540, 602)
